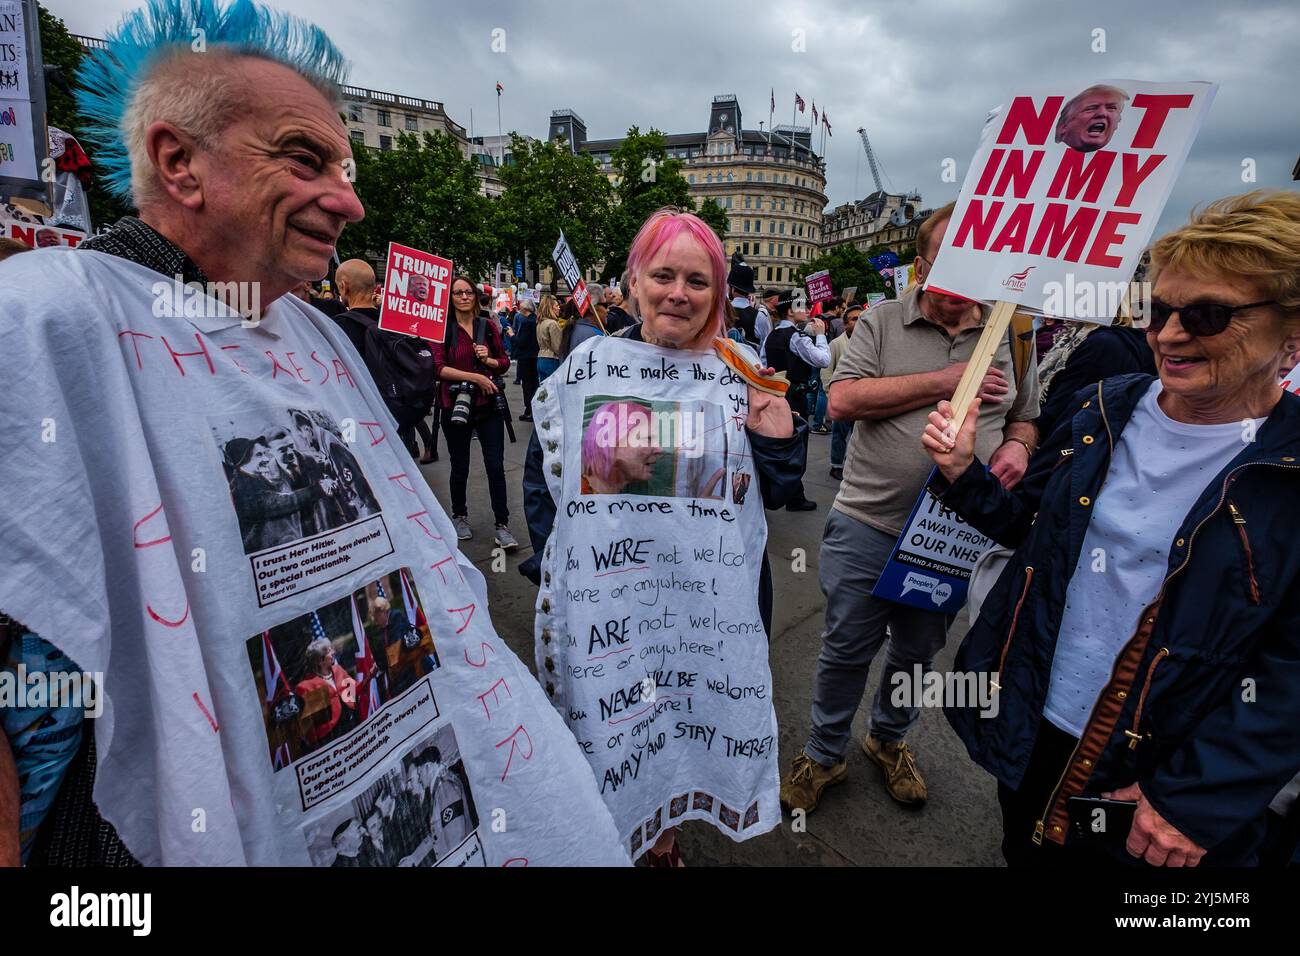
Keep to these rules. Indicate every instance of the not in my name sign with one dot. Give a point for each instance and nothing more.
(1067, 183)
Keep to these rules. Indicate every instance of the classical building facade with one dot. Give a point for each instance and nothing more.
(772, 186)
(375, 119)
(882, 219)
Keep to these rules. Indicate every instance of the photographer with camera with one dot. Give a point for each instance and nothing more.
(469, 367)
(798, 348)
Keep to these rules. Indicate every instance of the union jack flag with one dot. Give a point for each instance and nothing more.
(798, 101)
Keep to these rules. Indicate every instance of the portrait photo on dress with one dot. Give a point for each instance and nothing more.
(291, 475)
(418, 813)
(665, 449)
(322, 674)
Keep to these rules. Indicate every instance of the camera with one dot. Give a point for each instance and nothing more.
(462, 405)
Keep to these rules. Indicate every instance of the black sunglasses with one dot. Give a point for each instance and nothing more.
(1199, 318)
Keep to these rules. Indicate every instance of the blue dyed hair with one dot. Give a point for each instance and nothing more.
(108, 79)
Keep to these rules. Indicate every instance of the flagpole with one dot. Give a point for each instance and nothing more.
(500, 141)
(771, 108)
(794, 148)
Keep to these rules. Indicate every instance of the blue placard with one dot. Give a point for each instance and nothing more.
(933, 557)
(519, 269)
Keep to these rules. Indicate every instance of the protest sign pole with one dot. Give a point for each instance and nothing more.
(995, 329)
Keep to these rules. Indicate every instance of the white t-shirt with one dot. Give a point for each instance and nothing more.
(1159, 469)
(151, 531)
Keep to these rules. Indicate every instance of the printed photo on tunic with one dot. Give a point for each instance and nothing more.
(322, 674)
(291, 476)
(306, 513)
(419, 813)
(640, 446)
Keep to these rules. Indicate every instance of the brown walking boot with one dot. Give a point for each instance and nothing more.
(902, 779)
(806, 781)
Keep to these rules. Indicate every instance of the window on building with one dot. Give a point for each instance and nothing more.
(748, 203)
(749, 176)
(691, 178)
(771, 248)
(385, 142)
(412, 124)
(744, 245)
(354, 113)
(731, 177)
(747, 225)
(358, 136)
(782, 229)
(708, 177)
(385, 118)
(780, 249)
(769, 273)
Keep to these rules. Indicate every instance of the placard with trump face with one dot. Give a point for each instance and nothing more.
(1064, 193)
(416, 290)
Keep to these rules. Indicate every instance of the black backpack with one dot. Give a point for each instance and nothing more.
(401, 365)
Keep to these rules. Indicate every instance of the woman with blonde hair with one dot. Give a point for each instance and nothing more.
(1145, 635)
(549, 332)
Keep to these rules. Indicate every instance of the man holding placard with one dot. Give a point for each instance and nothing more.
(902, 352)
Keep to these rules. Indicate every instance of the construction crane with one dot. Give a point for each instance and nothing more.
(871, 158)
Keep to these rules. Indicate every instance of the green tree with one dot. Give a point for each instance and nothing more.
(849, 266)
(549, 189)
(646, 179)
(63, 52)
(425, 194)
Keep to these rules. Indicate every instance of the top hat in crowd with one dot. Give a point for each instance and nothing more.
(741, 278)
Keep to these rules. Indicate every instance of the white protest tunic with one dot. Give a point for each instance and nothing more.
(648, 633)
(120, 544)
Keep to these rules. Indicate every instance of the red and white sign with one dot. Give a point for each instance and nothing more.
(417, 287)
(1067, 182)
(30, 229)
(819, 286)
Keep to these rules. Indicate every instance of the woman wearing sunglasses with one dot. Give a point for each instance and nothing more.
(1146, 633)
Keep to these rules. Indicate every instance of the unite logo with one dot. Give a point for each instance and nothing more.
(1017, 280)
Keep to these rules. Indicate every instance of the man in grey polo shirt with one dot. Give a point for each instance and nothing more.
(904, 357)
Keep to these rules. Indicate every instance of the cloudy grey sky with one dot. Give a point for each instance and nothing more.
(920, 76)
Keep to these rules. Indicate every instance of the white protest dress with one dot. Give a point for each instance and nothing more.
(648, 633)
(146, 532)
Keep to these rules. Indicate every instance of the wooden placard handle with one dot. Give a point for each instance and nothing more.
(995, 330)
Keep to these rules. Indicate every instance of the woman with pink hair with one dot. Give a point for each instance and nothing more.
(618, 448)
(610, 395)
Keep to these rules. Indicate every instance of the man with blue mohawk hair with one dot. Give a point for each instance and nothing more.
(146, 370)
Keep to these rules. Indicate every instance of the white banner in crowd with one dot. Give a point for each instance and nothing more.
(299, 666)
(649, 637)
(1068, 183)
(23, 140)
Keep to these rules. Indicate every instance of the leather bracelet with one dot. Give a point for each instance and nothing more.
(1022, 442)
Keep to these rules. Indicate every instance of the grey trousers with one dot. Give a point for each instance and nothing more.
(852, 556)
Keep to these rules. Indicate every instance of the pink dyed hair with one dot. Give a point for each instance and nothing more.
(598, 458)
(665, 225)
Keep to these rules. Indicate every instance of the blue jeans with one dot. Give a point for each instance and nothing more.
(852, 556)
(817, 403)
(840, 432)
